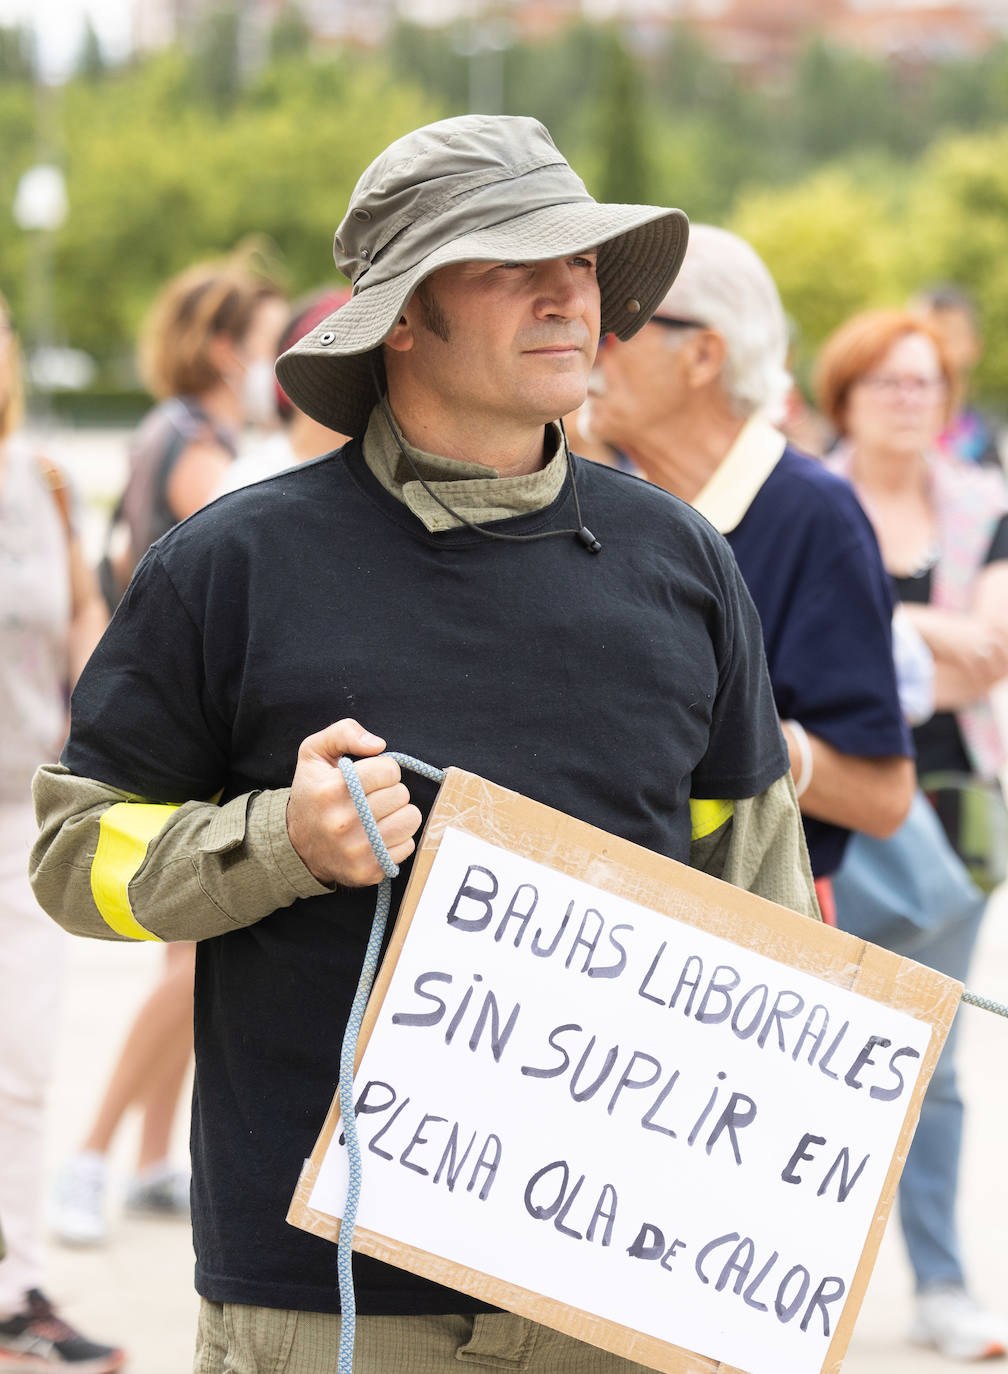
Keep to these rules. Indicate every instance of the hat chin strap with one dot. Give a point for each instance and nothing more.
(582, 533)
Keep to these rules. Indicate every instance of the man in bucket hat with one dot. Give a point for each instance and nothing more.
(461, 585)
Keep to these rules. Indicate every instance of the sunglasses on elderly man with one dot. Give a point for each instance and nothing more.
(676, 322)
(669, 322)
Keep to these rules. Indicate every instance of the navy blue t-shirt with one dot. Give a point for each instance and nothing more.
(811, 562)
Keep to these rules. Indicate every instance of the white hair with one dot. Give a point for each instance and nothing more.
(725, 285)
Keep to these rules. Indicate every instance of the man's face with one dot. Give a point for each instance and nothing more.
(506, 342)
(638, 385)
(899, 406)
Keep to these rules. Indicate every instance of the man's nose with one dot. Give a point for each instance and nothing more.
(562, 289)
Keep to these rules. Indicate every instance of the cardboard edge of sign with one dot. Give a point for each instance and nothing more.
(492, 813)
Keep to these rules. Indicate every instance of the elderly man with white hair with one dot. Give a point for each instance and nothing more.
(691, 400)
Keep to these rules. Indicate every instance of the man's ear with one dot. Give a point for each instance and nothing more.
(706, 357)
(400, 336)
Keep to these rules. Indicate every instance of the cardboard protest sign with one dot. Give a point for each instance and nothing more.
(608, 1092)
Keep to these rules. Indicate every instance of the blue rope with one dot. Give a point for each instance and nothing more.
(348, 1052)
(975, 1000)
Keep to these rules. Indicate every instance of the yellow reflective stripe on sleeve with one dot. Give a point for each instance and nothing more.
(124, 832)
(708, 816)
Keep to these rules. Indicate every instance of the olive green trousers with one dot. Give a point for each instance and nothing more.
(233, 1339)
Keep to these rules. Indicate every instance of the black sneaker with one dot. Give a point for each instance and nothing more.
(37, 1341)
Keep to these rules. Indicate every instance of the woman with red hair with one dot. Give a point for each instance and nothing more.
(887, 385)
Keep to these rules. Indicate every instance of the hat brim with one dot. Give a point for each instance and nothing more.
(331, 372)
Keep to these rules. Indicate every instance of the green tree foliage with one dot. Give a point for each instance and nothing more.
(706, 130)
(217, 58)
(970, 94)
(182, 155)
(833, 247)
(855, 236)
(436, 59)
(290, 36)
(16, 55)
(687, 78)
(90, 60)
(841, 101)
(559, 81)
(621, 136)
(957, 220)
(155, 182)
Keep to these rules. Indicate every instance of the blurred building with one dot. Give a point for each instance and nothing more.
(764, 32)
(938, 32)
(158, 23)
(753, 34)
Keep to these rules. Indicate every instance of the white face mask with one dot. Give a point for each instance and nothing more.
(259, 393)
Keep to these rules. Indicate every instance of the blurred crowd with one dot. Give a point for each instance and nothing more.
(869, 518)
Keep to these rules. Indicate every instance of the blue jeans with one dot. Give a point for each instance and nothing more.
(932, 917)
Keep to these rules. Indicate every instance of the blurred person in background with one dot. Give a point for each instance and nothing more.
(51, 616)
(691, 398)
(582, 440)
(802, 425)
(885, 381)
(950, 311)
(300, 438)
(206, 354)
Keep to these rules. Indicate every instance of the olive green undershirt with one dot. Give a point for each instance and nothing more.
(479, 492)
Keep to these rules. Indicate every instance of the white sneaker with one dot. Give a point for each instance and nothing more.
(159, 1191)
(78, 1208)
(947, 1319)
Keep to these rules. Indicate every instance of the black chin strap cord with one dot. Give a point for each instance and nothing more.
(581, 533)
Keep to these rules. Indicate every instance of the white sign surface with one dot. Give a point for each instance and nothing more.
(625, 1113)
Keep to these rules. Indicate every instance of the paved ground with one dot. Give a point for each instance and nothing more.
(138, 1290)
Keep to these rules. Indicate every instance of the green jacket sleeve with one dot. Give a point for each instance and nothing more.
(114, 867)
(761, 847)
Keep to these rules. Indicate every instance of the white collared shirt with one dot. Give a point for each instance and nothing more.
(735, 484)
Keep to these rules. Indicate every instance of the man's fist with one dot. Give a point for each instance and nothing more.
(322, 821)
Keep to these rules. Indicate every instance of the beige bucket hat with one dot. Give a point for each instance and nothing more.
(477, 188)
